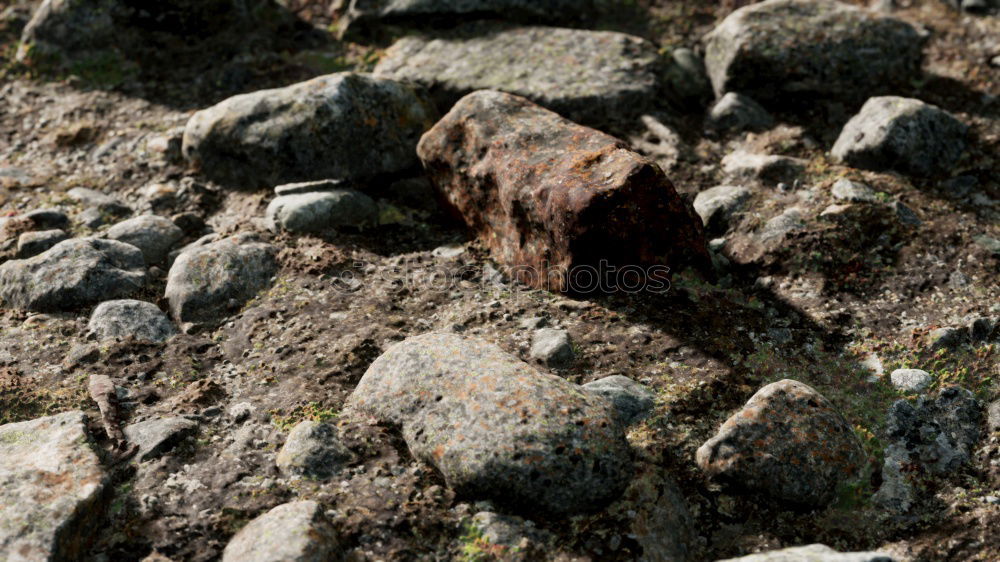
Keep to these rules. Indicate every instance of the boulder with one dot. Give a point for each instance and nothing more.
(157, 436)
(208, 281)
(51, 489)
(812, 553)
(313, 449)
(787, 443)
(547, 195)
(780, 49)
(717, 205)
(631, 400)
(497, 428)
(73, 274)
(292, 532)
(901, 134)
(152, 234)
(590, 77)
(125, 318)
(322, 210)
(348, 125)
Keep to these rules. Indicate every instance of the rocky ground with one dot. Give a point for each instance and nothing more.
(820, 366)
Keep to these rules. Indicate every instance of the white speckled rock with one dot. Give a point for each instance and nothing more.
(126, 318)
(552, 347)
(911, 380)
(319, 211)
(313, 449)
(812, 553)
(716, 205)
(152, 234)
(291, 532)
(154, 437)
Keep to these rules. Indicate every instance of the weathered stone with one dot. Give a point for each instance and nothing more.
(787, 443)
(205, 282)
(780, 226)
(61, 28)
(783, 48)
(911, 380)
(589, 77)
(347, 125)
(51, 489)
(324, 210)
(764, 167)
(993, 416)
(291, 532)
(717, 205)
(30, 244)
(157, 436)
(72, 274)
(901, 134)
(153, 235)
(313, 449)
(120, 319)
(857, 192)
(812, 553)
(631, 400)
(497, 428)
(310, 187)
(735, 112)
(510, 531)
(946, 338)
(552, 347)
(547, 195)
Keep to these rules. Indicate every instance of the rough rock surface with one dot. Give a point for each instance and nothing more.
(153, 235)
(292, 532)
(552, 347)
(319, 211)
(771, 168)
(207, 281)
(30, 244)
(788, 442)
(495, 427)
(313, 449)
(856, 192)
(155, 437)
(346, 125)
(51, 486)
(589, 77)
(783, 48)
(631, 400)
(717, 205)
(736, 112)
(72, 274)
(901, 134)
(547, 195)
(812, 553)
(130, 318)
(911, 380)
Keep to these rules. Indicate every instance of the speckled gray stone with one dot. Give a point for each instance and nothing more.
(736, 112)
(856, 192)
(152, 234)
(292, 532)
(771, 168)
(911, 380)
(313, 449)
(319, 211)
(717, 205)
(157, 436)
(126, 318)
(30, 244)
(552, 347)
(632, 401)
(812, 553)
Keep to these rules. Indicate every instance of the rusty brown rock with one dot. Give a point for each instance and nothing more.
(548, 195)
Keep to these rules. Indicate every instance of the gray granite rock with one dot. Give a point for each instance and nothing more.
(497, 428)
(717, 205)
(292, 532)
(780, 226)
(125, 318)
(30, 244)
(157, 436)
(632, 401)
(323, 210)
(311, 187)
(993, 416)
(736, 112)
(855, 192)
(51, 489)
(152, 234)
(812, 553)
(313, 450)
(911, 380)
(946, 338)
(552, 347)
(769, 168)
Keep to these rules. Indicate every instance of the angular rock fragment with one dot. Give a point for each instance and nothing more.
(736, 112)
(783, 48)
(812, 553)
(632, 401)
(911, 380)
(857, 192)
(51, 489)
(155, 437)
(770, 168)
(787, 443)
(30, 244)
(313, 449)
(347, 125)
(901, 134)
(126, 318)
(497, 428)
(322, 210)
(552, 347)
(547, 195)
(153, 235)
(292, 532)
(590, 77)
(717, 205)
(72, 274)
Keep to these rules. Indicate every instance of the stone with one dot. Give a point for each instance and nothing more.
(911, 380)
(510, 531)
(121, 319)
(981, 329)
(313, 449)
(788, 443)
(632, 401)
(591, 77)
(736, 113)
(310, 187)
(780, 226)
(73, 274)
(152, 234)
(207, 281)
(905, 214)
(901, 134)
(347, 126)
(30, 244)
(319, 211)
(988, 243)
(61, 28)
(855, 192)
(292, 532)
(780, 49)
(39, 219)
(770, 168)
(993, 416)
(717, 205)
(51, 489)
(495, 427)
(547, 195)
(96, 199)
(812, 553)
(945, 338)
(157, 436)
(552, 347)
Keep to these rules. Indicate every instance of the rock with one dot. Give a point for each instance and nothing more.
(348, 126)
(39, 219)
(981, 329)
(61, 28)
(552, 347)
(51, 489)
(812, 553)
(292, 532)
(786, 48)
(901, 134)
(856, 192)
(993, 416)
(905, 214)
(72, 274)
(717, 205)
(157, 436)
(763, 167)
(313, 450)
(510, 531)
(547, 195)
(495, 427)
(101, 201)
(685, 81)
(780, 226)
(205, 282)
(30, 244)
(911, 380)
(120, 319)
(945, 338)
(324, 210)
(310, 187)
(632, 401)
(590, 77)
(988, 243)
(735, 113)
(787, 443)
(153, 235)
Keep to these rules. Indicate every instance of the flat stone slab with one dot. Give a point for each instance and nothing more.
(292, 532)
